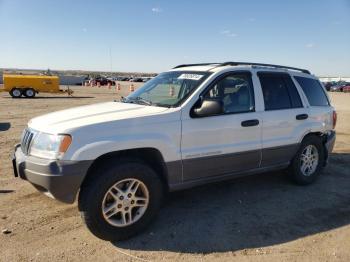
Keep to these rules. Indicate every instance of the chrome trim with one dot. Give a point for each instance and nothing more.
(27, 139)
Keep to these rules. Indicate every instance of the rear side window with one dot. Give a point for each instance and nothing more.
(313, 91)
(279, 91)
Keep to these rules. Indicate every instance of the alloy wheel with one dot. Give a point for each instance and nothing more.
(125, 202)
(309, 160)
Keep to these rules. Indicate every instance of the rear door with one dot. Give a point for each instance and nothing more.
(227, 143)
(284, 118)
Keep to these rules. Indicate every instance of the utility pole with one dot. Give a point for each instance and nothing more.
(110, 58)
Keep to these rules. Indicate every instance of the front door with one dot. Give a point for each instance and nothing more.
(226, 143)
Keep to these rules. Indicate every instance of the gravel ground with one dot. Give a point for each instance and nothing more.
(262, 217)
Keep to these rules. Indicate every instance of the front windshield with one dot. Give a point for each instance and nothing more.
(168, 89)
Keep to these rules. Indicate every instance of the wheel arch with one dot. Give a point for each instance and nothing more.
(318, 134)
(148, 155)
(323, 139)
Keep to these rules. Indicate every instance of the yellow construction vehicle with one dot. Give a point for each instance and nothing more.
(30, 85)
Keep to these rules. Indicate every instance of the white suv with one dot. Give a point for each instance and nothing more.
(192, 125)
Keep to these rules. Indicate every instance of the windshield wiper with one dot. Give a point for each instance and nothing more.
(162, 105)
(138, 100)
(142, 100)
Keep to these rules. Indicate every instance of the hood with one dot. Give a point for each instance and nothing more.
(65, 120)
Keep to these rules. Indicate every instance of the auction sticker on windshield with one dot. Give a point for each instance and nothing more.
(190, 76)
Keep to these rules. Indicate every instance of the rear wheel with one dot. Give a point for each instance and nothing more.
(29, 92)
(16, 92)
(120, 200)
(308, 161)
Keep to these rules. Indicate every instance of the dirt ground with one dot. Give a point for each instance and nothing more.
(262, 217)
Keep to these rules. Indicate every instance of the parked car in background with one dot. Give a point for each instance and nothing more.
(112, 79)
(136, 79)
(339, 86)
(328, 85)
(145, 79)
(335, 88)
(346, 89)
(103, 81)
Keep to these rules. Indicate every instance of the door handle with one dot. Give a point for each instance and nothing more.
(302, 116)
(252, 122)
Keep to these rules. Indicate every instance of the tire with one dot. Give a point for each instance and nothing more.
(297, 171)
(94, 194)
(29, 92)
(16, 92)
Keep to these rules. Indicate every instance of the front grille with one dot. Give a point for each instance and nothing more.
(26, 141)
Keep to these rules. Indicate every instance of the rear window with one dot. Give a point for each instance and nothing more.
(313, 91)
(279, 91)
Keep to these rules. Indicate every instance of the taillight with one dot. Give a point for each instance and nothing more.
(334, 119)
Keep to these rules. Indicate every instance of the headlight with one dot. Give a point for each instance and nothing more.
(50, 146)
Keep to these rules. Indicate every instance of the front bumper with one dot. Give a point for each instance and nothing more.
(56, 178)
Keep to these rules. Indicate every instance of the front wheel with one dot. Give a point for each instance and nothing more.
(120, 200)
(308, 161)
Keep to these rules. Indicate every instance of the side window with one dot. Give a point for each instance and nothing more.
(279, 91)
(313, 91)
(236, 93)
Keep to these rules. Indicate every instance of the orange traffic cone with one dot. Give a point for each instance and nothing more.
(132, 88)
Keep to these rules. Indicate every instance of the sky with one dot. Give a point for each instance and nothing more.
(154, 36)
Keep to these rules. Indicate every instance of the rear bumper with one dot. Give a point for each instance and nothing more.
(329, 143)
(58, 179)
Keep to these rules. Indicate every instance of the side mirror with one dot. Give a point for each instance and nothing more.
(208, 107)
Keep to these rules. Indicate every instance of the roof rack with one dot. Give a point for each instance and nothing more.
(246, 63)
(267, 65)
(202, 64)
